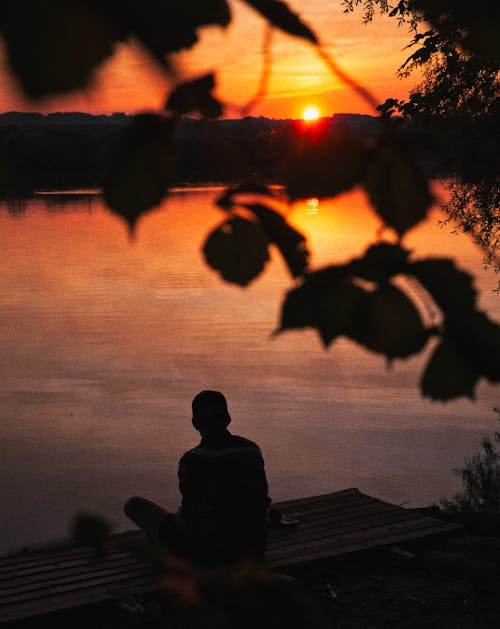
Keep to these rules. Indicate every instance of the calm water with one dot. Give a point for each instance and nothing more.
(104, 343)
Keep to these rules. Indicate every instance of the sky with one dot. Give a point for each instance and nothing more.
(131, 82)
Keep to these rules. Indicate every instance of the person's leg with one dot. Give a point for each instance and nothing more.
(148, 516)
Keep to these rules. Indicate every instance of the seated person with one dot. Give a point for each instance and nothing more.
(223, 514)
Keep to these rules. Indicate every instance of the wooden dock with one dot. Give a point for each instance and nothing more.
(343, 522)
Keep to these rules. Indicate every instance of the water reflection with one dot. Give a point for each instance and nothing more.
(312, 205)
(104, 343)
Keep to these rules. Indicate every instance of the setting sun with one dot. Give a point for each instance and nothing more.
(310, 113)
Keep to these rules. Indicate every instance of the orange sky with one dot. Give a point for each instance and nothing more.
(371, 54)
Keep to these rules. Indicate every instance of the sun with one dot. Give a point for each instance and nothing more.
(310, 113)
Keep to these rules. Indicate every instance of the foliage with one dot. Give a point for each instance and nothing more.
(470, 26)
(480, 479)
(457, 102)
(246, 594)
(385, 300)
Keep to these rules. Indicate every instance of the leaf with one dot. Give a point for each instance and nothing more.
(195, 96)
(478, 22)
(478, 339)
(140, 167)
(380, 262)
(450, 288)
(164, 27)
(289, 241)
(447, 375)
(327, 306)
(326, 169)
(54, 47)
(238, 250)
(397, 190)
(388, 323)
(299, 309)
(279, 15)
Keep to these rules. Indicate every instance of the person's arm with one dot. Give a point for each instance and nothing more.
(255, 481)
(183, 475)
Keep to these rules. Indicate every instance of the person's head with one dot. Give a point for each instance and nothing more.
(210, 414)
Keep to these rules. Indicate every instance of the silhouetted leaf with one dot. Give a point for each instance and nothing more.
(447, 375)
(163, 27)
(238, 250)
(327, 168)
(5, 170)
(388, 323)
(290, 242)
(397, 190)
(195, 95)
(279, 15)
(327, 306)
(478, 339)
(380, 262)
(299, 308)
(54, 46)
(90, 530)
(140, 167)
(450, 288)
(478, 22)
(226, 199)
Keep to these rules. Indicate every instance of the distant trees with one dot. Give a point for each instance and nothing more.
(371, 299)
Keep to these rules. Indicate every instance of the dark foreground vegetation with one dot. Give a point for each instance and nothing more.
(450, 583)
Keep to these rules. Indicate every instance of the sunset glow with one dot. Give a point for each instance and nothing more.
(310, 113)
(131, 81)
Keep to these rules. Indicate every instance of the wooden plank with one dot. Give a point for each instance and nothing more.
(355, 546)
(351, 526)
(60, 565)
(43, 605)
(53, 553)
(297, 546)
(67, 572)
(64, 586)
(47, 554)
(330, 507)
(376, 536)
(360, 513)
(376, 533)
(347, 503)
(54, 557)
(320, 501)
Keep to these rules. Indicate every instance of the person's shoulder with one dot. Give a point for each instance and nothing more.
(189, 454)
(243, 442)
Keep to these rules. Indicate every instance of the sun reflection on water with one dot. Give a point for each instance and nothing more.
(312, 205)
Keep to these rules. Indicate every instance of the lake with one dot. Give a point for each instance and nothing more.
(104, 342)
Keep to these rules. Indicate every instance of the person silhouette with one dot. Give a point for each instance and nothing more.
(223, 513)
